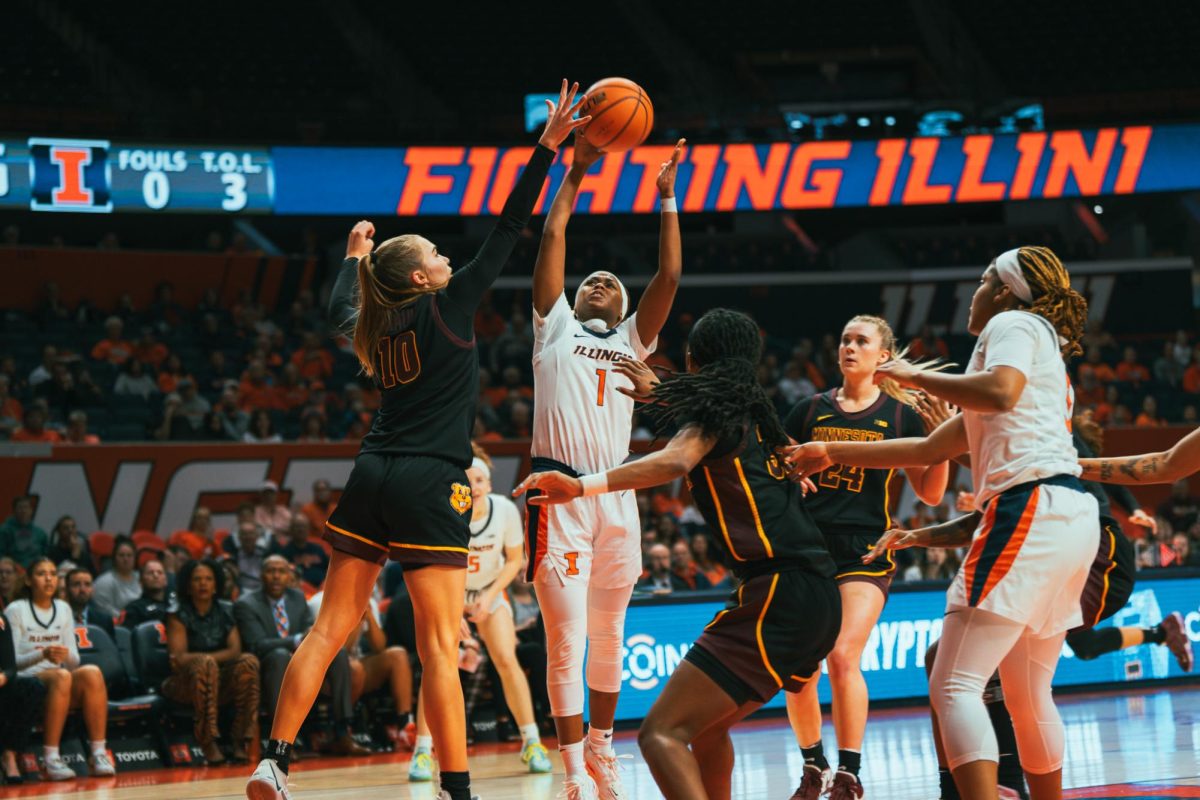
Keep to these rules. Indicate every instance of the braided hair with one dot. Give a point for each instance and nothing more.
(724, 393)
(1053, 297)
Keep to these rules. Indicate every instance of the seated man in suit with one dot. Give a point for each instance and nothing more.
(272, 621)
(84, 608)
(155, 599)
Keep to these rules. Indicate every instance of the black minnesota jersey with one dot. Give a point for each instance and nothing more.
(758, 516)
(851, 500)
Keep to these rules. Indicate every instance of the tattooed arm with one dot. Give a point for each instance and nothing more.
(1180, 461)
(955, 533)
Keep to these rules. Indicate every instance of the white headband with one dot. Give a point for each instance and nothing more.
(1009, 269)
(621, 286)
(482, 466)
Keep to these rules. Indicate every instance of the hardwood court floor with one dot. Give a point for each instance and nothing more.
(1143, 744)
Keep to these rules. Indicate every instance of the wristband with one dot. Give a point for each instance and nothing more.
(596, 483)
(668, 205)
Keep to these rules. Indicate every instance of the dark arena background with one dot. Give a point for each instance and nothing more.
(177, 183)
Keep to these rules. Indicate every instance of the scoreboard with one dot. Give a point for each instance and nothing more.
(89, 175)
(97, 176)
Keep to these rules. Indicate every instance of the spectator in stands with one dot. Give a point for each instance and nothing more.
(67, 544)
(213, 429)
(1094, 365)
(34, 428)
(256, 389)
(262, 429)
(312, 427)
(520, 420)
(1191, 376)
(685, 569)
(45, 369)
(313, 361)
(374, 664)
(22, 699)
(1190, 416)
(149, 350)
(199, 536)
(1122, 415)
(1181, 510)
(1103, 411)
(9, 581)
(928, 345)
(155, 599)
(514, 347)
(134, 381)
(320, 507)
(170, 374)
(1184, 554)
(271, 515)
(59, 393)
(84, 608)
(1149, 418)
(44, 637)
(272, 621)
(20, 539)
(164, 311)
(87, 393)
(1130, 370)
(235, 420)
(307, 556)
(11, 410)
(208, 667)
(246, 549)
(715, 571)
(217, 373)
(291, 393)
(119, 586)
(658, 577)
(113, 349)
(1181, 350)
(175, 426)
(795, 385)
(77, 429)
(1166, 369)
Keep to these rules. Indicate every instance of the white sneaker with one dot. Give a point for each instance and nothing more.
(57, 770)
(268, 782)
(578, 787)
(102, 766)
(605, 769)
(444, 795)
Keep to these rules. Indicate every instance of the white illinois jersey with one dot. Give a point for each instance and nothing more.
(35, 629)
(501, 528)
(1032, 440)
(580, 419)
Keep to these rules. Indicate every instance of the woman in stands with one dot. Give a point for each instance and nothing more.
(786, 614)
(585, 557)
(497, 550)
(43, 632)
(1018, 592)
(851, 509)
(408, 497)
(208, 666)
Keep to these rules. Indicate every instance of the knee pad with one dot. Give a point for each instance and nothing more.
(606, 633)
(565, 644)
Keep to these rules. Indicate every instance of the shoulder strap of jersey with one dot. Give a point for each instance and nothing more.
(812, 411)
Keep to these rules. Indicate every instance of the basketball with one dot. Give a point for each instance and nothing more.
(622, 114)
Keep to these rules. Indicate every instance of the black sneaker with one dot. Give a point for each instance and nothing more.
(815, 783)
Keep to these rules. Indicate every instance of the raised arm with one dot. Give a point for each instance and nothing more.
(995, 389)
(655, 305)
(469, 283)
(550, 270)
(678, 458)
(1180, 461)
(342, 308)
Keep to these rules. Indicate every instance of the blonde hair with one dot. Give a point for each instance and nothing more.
(385, 285)
(478, 452)
(1053, 298)
(888, 342)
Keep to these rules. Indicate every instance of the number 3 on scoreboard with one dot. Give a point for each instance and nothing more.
(398, 359)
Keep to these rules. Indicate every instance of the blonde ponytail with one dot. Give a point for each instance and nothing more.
(384, 285)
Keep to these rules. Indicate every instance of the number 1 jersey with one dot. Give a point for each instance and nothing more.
(579, 418)
(851, 500)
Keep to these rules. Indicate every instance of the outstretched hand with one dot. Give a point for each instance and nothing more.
(559, 123)
(555, 487)
(933, 410)
(666, 173)
(803, 460)
(894, 539)
(640, 375)
(585, 153)
(361, 239)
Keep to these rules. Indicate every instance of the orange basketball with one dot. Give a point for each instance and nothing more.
(622, 115)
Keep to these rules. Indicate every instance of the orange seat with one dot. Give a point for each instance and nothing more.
(101, 545)
(149, 540)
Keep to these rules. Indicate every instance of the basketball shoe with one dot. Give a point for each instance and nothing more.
(815, 783)
(268, 782)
